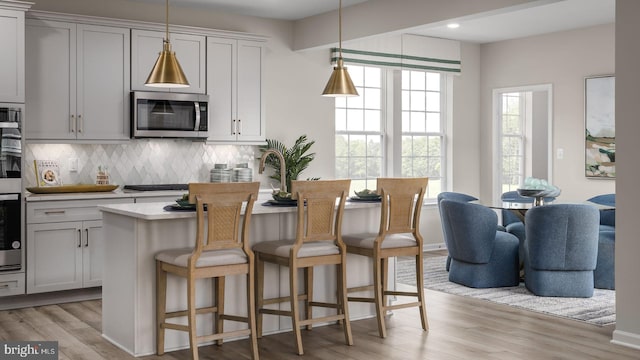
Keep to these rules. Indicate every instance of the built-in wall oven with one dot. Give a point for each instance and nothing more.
(11, 207)
(10, 234)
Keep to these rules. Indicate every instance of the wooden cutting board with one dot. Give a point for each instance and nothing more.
(71, 188)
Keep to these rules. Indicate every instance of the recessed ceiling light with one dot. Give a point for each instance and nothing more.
(453, 25)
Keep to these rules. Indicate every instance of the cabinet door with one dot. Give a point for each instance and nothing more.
(12, 56)
(50, 79)
(54, 257)
(92, 253)
(250, 111)
(189, 49)
(221, 70)
(103, 63)
(234, 85)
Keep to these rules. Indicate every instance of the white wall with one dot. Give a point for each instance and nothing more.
(628, 130)
(562, 59)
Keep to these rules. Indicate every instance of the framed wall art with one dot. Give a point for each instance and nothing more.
(600, 127)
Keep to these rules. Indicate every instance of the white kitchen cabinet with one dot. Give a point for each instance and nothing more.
(12, 53)
(77, 81)
(234, 85)
(189, 49)
(65, 244)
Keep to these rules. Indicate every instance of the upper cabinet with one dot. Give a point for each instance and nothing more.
(234, 85)
(189, 49)
(77, 81)
(12, 53)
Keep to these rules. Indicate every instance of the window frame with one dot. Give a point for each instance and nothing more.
(391, 131)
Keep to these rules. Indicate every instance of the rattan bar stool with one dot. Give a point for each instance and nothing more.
(318, 242)
(221, 249)
(399, 235)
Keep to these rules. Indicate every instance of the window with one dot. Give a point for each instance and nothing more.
(422, 128)
(513, 140)
(365, 139)
(359, 130)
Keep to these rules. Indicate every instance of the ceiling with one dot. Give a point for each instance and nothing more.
(543, 16)
(273, 9)
(551, 17)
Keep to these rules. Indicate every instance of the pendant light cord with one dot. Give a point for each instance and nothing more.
(167, 23)
(339, 27)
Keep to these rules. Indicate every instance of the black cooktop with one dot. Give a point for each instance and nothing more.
(157, 187)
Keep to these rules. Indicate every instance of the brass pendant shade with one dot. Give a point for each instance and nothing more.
(340, 83)
(167, 72)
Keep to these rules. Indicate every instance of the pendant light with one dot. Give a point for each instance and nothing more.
(167, 73)
(340, 83)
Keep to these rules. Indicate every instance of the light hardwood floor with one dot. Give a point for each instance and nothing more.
(460, 328)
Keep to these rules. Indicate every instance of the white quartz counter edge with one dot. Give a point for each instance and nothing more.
(116, 194)
(155, 211)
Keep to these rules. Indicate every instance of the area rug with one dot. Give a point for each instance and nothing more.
(598, 310)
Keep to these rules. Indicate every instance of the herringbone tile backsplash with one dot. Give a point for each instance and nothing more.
(152, 161)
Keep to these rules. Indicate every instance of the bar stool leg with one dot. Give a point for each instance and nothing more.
(161, 306)
(191, 315)
(295, 314)
(384, 266)
(420, 288)
(377, 289)
(251, 312)
(308, 289)
(220, 281)
(259, 302)
(343, 307)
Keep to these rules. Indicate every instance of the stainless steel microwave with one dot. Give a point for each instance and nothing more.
(169, 115)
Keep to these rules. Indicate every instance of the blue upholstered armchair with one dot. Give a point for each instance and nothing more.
(561, 249)
(604, 275)
(607, 216)
(454, 196)
(481, 256)
(511, 222)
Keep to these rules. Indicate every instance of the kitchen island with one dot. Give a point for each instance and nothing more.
(134, 233)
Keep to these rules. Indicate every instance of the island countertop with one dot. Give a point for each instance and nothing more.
(156, 211)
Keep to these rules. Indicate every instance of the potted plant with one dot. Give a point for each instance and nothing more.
(296, 158)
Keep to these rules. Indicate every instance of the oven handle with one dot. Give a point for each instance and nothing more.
(4, 197)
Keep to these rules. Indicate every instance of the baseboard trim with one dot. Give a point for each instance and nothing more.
(434, 247)
(627, 339)
(50, 298)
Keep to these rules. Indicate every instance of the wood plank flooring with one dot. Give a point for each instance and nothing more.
(460, 328)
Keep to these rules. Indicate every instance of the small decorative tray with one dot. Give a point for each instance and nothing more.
(77, 188)
(280, 203)
(176, 207)
(366, 198)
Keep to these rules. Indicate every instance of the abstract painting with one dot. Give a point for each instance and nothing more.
(600, 127)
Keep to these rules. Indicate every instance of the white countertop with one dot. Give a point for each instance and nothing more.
(155, 210)
(118, 193)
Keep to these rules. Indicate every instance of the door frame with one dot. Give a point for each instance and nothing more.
(496, 133)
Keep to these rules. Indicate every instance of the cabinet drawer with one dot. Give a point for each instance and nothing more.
(76, 210)
(12, 284)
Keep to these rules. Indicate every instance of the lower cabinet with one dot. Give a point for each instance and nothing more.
(63, 256)
(65, 244)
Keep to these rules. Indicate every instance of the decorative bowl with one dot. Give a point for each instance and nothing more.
(367, 194)
(184, 203)
(282, 196)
